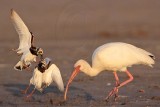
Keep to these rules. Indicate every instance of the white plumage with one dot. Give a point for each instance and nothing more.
(116, 56)
(25, 61)
(23, 32)
(41, 80)
(25, 43)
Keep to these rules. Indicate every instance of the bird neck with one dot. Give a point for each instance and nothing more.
(91, 71)
(33, 50)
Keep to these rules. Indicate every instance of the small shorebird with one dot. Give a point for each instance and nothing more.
(114, 57)
(44, 74)
(26, 47)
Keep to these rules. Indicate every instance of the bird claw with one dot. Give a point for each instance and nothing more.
(14, 49)
(115, 97)
(23, 91)
(106, 99)
(19, 54)
(27, 98)
(29, 70)
(26, 67)
(113, 92)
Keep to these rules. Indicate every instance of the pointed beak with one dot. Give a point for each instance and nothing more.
(75, 72)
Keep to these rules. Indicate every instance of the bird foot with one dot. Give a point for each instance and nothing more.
(14, 49)
(27, 68)
(27, 98)
(114, 92)
(115, 97)
(23, 91)
(19, 54)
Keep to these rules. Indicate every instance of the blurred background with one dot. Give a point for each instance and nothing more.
(59, 23)
(68, 30)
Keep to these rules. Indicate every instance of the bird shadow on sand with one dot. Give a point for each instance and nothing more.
(15, 90)
(82, 93)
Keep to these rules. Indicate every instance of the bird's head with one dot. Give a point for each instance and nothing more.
(80, 65)
(42, 63)
(42, 66)
(36, 51)
(39, 51)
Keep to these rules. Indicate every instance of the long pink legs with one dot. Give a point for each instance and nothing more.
(117, 84)
(115, 89)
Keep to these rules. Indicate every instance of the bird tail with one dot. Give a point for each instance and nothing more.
(149, 60)
(20, 66)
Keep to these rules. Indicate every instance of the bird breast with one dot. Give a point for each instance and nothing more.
(47, 77)
(36, 79)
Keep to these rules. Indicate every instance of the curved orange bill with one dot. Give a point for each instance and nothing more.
(75, 72)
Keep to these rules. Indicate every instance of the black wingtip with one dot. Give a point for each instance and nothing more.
(32, 39)
(18, 68)
(152, 56)
(31, 33)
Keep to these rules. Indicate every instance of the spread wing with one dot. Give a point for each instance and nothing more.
(22, 30)
(56, 77)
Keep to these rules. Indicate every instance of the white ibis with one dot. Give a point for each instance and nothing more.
(113, 57)
(26, 48)
(44, 74)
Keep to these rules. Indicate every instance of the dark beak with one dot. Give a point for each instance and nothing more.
(75, 72)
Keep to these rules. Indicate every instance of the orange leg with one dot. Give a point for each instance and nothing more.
(25, 66)
(117, 79)
(115, 89)
(26, 90)
(28, 69)
(28, 96)
(117, 84)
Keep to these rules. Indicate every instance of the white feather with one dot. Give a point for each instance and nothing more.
(119, 56)
(50, 75)
(53, 74)
(26, 59)
(36, 79)
(24, 41)
(23, 32)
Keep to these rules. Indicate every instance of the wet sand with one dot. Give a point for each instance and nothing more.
(69, 30)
